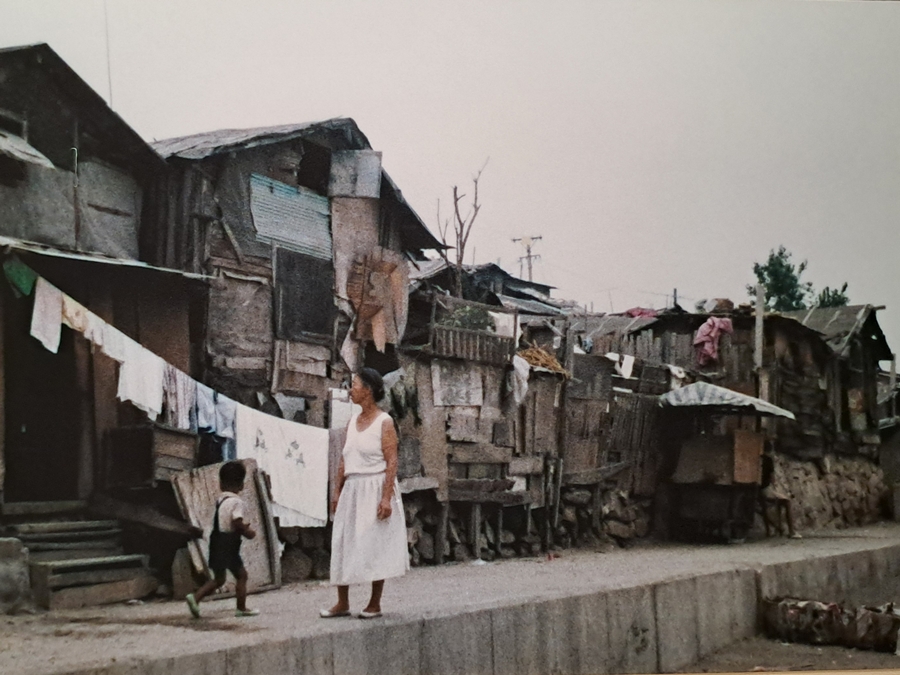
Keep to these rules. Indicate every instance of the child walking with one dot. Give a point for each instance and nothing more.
(225, 541)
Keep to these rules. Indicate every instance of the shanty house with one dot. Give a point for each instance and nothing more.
(308, 240)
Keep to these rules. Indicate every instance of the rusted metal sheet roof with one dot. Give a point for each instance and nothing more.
(615, 324)
(18, 149)
(840, 325)
(414, 232)
(529, 306)
(209, 143)
(38, 249)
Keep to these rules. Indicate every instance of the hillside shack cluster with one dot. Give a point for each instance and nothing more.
(173, 305)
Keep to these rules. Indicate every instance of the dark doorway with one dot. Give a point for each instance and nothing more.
(42, 429)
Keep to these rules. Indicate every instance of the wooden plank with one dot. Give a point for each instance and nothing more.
(61, 566)
(173, 463)
(594, 476)
(62, 526)
(440, 539)
(138, 513)
(525, 466)
(477, 497)
(748, 449)
(479, 454)
(90, 535)
(102, 594)
(71, 554)
(480, 484)
(95, 577)
(196, 492)
(269, 523)
(98, 546)
(42, 508)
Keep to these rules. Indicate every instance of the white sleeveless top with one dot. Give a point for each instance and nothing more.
(362, 451)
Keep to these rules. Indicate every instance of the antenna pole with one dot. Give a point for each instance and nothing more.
(108, 61)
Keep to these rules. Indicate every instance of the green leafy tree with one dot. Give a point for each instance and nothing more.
(785, 291)
(781, 277)
(832, 297)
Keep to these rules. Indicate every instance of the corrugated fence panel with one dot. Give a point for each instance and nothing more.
(293, 217)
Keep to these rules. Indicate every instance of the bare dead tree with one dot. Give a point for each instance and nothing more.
(462, 228)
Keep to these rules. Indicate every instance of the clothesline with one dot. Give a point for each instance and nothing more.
(294, 455)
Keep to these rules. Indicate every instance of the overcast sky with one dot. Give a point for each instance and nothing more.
(653, 145)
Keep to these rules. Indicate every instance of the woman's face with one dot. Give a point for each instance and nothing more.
(359, 391)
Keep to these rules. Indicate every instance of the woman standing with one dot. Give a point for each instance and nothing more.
(368, 539)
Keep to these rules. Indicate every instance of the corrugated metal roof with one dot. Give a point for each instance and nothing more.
(19, 150)
(613, 324)
(705, 395)
(839, 325)
(207, 144)
(37, 249)
(529, 306)
(293, 217)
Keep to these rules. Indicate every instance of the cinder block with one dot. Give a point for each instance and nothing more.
(676, 623)
(717, 606)
(456, 645)
(631, 622)
(745, 620)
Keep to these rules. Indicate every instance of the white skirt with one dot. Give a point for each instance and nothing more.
(363, 548)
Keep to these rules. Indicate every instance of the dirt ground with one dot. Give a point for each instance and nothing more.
(761, 655)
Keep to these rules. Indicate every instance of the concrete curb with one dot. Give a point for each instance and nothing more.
(652, 628)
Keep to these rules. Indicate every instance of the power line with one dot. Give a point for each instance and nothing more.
(528, 242)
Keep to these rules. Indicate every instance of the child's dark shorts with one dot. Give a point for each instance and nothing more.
(225, 553)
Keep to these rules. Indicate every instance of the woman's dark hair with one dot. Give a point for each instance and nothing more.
(232, 474)
(372, 379)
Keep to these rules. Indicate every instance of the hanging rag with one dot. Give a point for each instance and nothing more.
(295, 456)
(113, 342)
(20, 275)
(706, 341)
(206, 408)
(141, 377)
(625, 365)
(74, 314)
(520, 371)
(225, 414)
(180, 397)
(46, 317)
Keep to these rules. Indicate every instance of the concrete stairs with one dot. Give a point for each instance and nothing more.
(74, 561)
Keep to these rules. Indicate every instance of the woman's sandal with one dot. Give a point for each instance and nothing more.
(369, 615)
(328, 614)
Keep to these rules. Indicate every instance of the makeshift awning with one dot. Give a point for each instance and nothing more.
(719, 399)
(18, 149)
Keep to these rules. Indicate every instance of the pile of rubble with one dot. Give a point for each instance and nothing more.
(819, 623)
(618, 518)
(834, 492)
(305, 554)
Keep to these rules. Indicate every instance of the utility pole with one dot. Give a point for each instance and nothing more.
(528, 242)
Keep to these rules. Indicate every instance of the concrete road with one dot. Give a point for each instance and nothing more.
(418, 633)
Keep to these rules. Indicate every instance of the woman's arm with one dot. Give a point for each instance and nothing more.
(338, 485)
(389, 448)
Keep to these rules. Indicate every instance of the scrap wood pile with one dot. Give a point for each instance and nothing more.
(541, 358)
(821, 623)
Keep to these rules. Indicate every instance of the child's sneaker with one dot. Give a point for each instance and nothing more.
(247, 612)
(193, 605)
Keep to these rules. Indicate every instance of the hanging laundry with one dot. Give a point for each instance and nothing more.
(180, 397)
(74, 314)
(46, 317)
(520, 372)
(115, 343)
(20, 275)
(295, 456)
(206, 408)
(625, 366)
(706, 341)
(225, 414)
(141, 378)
